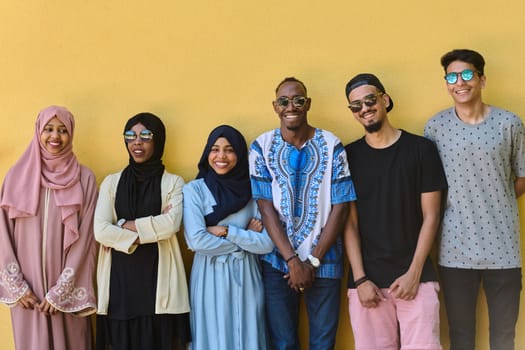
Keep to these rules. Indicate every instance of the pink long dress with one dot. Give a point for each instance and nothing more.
(32, 255)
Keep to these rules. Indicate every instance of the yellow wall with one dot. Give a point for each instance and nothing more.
(201, 63)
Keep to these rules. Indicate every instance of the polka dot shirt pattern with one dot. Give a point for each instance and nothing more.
(480, 228)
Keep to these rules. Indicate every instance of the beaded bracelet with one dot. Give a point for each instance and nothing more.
(360, 281)
(295, 255)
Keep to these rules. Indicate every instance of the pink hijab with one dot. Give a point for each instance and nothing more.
(38, 168)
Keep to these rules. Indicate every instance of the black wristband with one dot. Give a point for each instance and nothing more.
(360, 281)
(293, 256)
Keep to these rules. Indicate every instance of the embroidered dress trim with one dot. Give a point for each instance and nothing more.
(13, 282)
(65, 296)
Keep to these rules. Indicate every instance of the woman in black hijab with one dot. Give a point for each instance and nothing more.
(220, 226)
(142, 289)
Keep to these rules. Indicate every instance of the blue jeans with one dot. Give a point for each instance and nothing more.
(502, 289)
(282, 311)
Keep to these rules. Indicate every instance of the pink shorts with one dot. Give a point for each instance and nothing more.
(415, 321)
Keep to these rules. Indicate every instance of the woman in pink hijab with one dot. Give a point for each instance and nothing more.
(47, 246)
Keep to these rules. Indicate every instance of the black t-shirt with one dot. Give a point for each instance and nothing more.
(389, 183)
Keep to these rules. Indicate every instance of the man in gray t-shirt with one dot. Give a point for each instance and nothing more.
(482, 148)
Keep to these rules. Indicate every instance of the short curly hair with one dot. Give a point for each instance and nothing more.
(291, 79)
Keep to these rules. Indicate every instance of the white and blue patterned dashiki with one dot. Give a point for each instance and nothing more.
(303, 184)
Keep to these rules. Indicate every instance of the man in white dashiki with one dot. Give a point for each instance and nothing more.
(302, 185)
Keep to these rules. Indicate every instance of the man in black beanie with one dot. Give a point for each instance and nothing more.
(399, 179)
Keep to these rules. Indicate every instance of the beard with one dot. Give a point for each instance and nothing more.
(375, 127)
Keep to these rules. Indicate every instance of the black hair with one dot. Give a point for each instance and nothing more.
(291, 79)
(367, 79)
(464, 55)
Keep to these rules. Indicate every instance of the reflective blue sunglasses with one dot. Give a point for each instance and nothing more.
(466, 75)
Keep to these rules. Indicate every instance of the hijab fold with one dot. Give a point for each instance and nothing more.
(231, 191)
(38, 168)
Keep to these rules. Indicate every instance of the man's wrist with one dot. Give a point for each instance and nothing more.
(314, 261)
(361, 280)
(292, 257)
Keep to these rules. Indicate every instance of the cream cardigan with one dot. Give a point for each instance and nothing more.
(172, 288)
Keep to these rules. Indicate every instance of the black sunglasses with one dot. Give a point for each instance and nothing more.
(297, 101)
(369, 100)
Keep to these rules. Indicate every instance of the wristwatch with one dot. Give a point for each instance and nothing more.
(313, 260)
(121, 222)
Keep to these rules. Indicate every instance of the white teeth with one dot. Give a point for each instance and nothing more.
(367, 115)
(138, 151)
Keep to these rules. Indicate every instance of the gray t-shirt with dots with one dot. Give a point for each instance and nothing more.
(480, 227)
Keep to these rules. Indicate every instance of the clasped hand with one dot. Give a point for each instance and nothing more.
(405, 286)
(30, 301)
(301, 275)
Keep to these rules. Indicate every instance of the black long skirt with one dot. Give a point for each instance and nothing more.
(131, 322)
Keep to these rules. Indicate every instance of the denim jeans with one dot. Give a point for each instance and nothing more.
(502, 289)
(282, 311)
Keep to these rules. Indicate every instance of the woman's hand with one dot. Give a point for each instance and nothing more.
(219, 231)
(130, 225)
(167, 209)
(46, 308)
(29, 300)
(255, 225)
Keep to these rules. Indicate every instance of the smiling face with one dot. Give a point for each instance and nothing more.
(465, 92)
(54, 136)
(222, 158)
(292, 117)
(371, 117)
(139, 150)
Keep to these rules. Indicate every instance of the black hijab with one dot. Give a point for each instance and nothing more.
(138, 192)
(231, 191)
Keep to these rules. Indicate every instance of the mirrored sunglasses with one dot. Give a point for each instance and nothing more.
(145, 136)
(297, 101)
(357, 105)
(466, 75)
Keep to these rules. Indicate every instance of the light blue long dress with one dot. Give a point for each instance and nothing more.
(226, 290)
